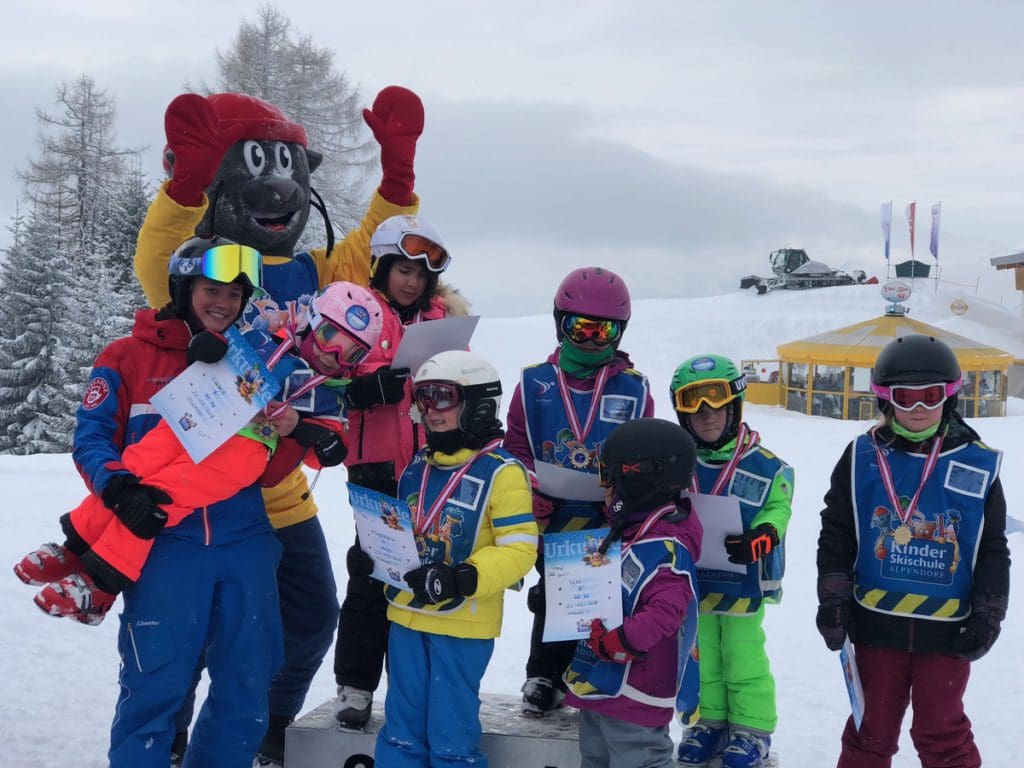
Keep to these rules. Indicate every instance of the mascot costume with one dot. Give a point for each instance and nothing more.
(241, 169)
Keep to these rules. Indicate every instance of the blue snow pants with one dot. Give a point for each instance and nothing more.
(432, 709)
(193, 597)
(309, 612)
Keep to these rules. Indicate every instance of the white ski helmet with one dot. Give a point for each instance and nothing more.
(477, 383)
(346, 308)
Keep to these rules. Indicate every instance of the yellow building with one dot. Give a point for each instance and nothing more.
(830, 374)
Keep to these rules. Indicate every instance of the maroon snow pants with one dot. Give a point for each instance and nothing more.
(935, 684)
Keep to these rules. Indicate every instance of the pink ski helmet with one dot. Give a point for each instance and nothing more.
(346, 319)
(594, 292)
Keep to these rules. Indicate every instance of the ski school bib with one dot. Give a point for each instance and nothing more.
(567, 428)
(728, 592)
(588, 677)
(920, 564)
(448, 509)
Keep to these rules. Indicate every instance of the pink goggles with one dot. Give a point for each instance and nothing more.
(907, 397)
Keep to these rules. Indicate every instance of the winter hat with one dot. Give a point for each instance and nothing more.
(259, 119)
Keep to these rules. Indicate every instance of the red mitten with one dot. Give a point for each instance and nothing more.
(610, 645)
(196, 147)
(397, 122)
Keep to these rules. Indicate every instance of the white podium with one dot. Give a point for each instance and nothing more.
(509, 739)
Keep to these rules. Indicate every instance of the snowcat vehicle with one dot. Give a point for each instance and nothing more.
(794, 270)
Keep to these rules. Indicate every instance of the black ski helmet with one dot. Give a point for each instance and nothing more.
(186, 264)
(648, 462)
(916, 359)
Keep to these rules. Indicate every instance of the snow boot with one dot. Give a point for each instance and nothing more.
(701, 744)
(178, 747)
(352, 707)
(541, 696)
(745, 749)
(76, 597)
(271, 754)
(50, 563)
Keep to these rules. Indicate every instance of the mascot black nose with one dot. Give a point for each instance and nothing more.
(272, 194)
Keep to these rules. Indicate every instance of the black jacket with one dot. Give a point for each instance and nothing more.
(837, 553)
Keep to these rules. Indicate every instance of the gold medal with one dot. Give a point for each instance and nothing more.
(902, 535)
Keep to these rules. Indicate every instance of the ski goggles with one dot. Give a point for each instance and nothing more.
(419, 248)
(335, 339)
(907, 397)
(715, 392)
(441, 396)
(223, 263)
(580, 328)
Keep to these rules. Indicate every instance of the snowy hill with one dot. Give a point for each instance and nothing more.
(59, 679)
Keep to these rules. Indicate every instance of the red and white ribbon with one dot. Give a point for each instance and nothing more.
(424, 522)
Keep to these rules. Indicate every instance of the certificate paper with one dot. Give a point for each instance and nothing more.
(580, 584)
(384, 525)
(852, 679)
(720, 517)
(209, 402)
(423, 340)
(564, 483)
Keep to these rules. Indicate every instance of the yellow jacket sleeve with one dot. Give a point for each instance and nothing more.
(513, 548)
(167, 226)
(351, 257)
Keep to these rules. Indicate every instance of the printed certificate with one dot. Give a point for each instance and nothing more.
(384, 525)
(209, 402)
(580, 584)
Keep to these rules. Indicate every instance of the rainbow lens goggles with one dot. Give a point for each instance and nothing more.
(335, 339)
(715, 392)
(419, 248)
(579, 329)
(223, 263)
(907, 397)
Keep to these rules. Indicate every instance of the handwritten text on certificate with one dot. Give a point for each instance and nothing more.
(581, 584)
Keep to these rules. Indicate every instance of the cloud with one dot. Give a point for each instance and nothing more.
(528, 193)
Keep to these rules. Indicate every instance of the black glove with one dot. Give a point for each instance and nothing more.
(360, 564)
(835, 592)
(981, 628)
(385, 386)
(437, 582)
(206, 347)
(135, 505)
(326, 443)
(753, 545)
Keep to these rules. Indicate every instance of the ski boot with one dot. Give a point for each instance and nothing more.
(701, 744)
(50, 563)
(352, 707)
(541, 696)
(746, 749)
(76, 597)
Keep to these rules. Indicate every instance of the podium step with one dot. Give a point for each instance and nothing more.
(509, 740)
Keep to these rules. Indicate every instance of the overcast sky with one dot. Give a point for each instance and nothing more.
(675, 142)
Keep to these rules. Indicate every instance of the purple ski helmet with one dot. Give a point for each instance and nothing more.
(594, 292)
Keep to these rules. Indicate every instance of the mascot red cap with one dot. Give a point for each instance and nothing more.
(256, 118)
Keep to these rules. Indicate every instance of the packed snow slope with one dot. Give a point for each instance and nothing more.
(59, 679)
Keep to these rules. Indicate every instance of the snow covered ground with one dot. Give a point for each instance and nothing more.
(58, 678)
